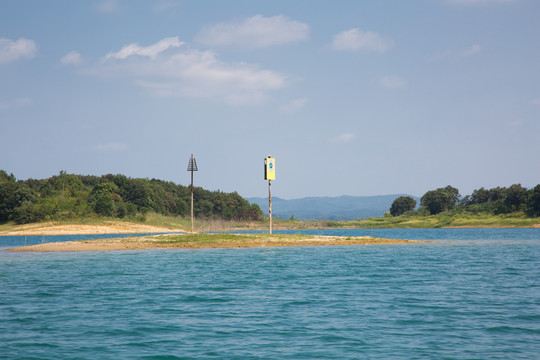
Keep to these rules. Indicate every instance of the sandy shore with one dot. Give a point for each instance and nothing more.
(80, 229)
(209, 241)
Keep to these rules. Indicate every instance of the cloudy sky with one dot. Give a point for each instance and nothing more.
(350, 97)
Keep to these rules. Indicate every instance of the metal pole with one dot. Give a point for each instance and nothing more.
(192, 166)
(270, 204)
(192, 199)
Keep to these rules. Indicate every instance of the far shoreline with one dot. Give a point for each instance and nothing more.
(51, 229)
(126, 227)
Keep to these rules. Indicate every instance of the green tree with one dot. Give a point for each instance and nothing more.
(497, 193)
(515, 197)
(479, 196)
(104, 205)
(4, 177)
(442, 199)
(8, 200)
(104, 197)
(453, 200)
(533, 202)
(137, 192)
(401, 205)
(67, 184)
(103, 189)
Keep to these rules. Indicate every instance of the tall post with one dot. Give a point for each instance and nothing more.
(191, 199)
(270, 174)
(192, 166)
(270, 204)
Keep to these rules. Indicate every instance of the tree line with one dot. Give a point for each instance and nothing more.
(68, 196)
(499, 200)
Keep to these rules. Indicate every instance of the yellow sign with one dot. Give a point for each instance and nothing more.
(269, 169)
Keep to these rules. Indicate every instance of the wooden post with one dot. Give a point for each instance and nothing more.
(270, 204)
(192, 166)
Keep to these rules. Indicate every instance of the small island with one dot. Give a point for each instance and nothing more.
(203, 240)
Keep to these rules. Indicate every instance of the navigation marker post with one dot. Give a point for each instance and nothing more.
(270, 174)
(192, 166)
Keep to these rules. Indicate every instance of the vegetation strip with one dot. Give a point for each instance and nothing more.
(199, 241)
(443, 220)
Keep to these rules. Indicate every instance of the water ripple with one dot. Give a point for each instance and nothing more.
(455, 300)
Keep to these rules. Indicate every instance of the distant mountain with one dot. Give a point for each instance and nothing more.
(329, 208)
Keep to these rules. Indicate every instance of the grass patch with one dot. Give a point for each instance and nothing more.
(207, 239)
(441, 220)
(203, 238)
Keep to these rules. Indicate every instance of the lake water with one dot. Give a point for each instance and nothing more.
(470, 294)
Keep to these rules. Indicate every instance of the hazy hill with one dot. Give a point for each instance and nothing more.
(328, 208)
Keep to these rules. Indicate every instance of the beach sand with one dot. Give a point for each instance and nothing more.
(113, 227)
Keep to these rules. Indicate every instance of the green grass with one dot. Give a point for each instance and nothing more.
(441, 220)
(8, 226)
(204, 239)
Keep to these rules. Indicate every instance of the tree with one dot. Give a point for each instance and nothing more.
(533, 203)
(515, 197)
(137, 191)
(442, 199)
(104, 205)
(453, 200)
(497, 193)
(8, 200)
(480, 196)
(65, 196)
(401, 205)
(4, 177)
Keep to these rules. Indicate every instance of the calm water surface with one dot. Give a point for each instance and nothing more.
(471, 294)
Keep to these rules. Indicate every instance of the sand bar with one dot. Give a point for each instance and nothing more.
(199, 241)
(113, 227)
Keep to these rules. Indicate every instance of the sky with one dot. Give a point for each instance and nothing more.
(350, 97)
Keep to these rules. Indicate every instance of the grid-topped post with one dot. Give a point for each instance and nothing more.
(192, 166)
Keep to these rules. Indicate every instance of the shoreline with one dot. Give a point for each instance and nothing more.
(113, 227)
(50, 229)
(206, 241)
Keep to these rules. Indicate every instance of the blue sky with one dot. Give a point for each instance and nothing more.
(350, 97)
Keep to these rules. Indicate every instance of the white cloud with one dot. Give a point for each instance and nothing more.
(293, 106)
(71, 58)
(357, 40)
(149, 51)
(343, 138)
(391, 82)
(254, 32)
(13, 50)
(190, 73)
(471, 50)
(15, 103)
(108, 6)
(111, 147)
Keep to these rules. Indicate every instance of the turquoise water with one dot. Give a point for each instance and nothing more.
(471, 294)
(7, 242)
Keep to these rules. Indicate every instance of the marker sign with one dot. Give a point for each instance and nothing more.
(269, 169)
